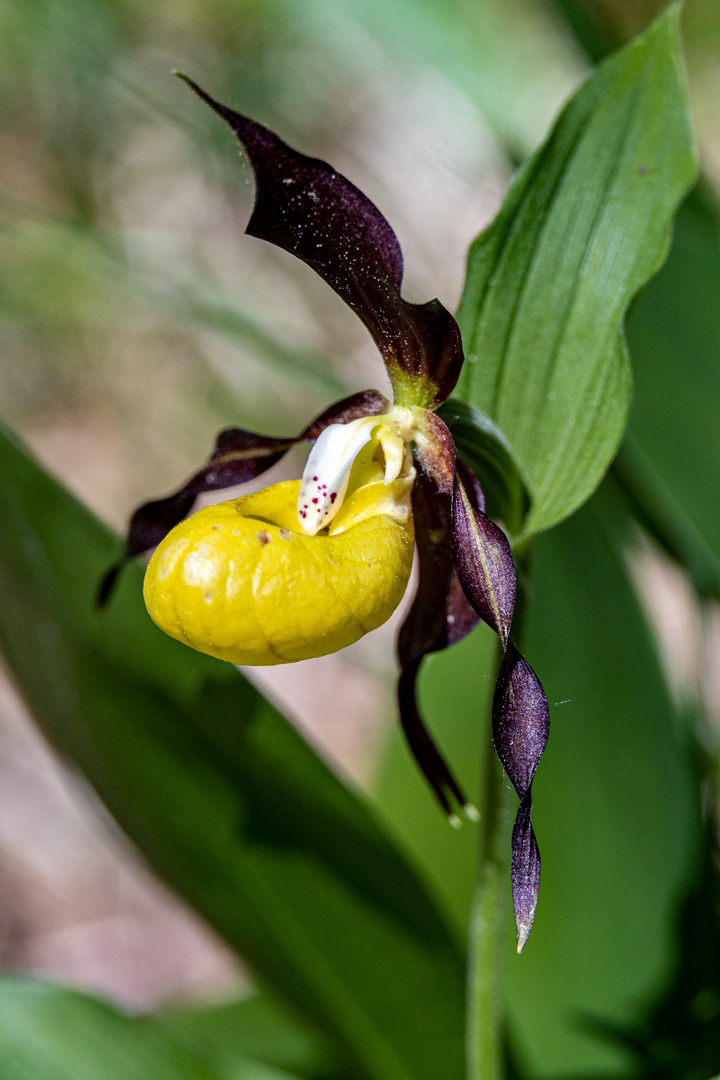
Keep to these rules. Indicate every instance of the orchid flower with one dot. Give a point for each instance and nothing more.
(303, 568)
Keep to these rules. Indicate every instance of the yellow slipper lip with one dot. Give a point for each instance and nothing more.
(241, 582)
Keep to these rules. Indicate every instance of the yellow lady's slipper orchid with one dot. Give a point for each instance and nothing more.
(250, 581)
(306, 567)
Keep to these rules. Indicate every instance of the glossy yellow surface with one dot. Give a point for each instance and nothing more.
(241, 582)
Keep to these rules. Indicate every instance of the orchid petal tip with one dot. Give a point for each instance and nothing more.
(523, 933)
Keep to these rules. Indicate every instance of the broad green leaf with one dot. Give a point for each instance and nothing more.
(256, 1028)
(583, 227)
(674, 333)
(486, 450)
(51, 1033)
(614, 801)
(223, 796)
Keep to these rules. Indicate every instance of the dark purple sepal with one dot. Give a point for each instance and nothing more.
(424, 341)
(307, 208)
(483, 561)
(521, 723)
(440, 616)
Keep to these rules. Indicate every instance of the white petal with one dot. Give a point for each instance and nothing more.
(327, 472)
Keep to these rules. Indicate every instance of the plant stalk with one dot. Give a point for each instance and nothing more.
(488, 923)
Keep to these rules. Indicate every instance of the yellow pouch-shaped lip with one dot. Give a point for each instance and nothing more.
(240, 581)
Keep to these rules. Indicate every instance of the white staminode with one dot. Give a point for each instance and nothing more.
(330, 463)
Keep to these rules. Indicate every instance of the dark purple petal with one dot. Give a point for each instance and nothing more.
(471, 484)
(461, 617)
(448, 499)
(307, 208)
(525, 871)
(107, 584)
(431, 762)
(238, 456)
(521, 724)
(483, 561)
(521, 720)
(440, 616)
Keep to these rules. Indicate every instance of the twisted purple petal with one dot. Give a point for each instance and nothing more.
(521, 724)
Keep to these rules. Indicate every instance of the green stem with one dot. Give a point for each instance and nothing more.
(488, 923)
(492, 903)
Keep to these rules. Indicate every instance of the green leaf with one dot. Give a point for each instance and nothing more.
(592, 27)
(670, 461)
(664, 516)
(50, 1033)
(674, 333)
(486, 450)
(680, 1037)
(256, 1028)
(583, 227)
(223, 796)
